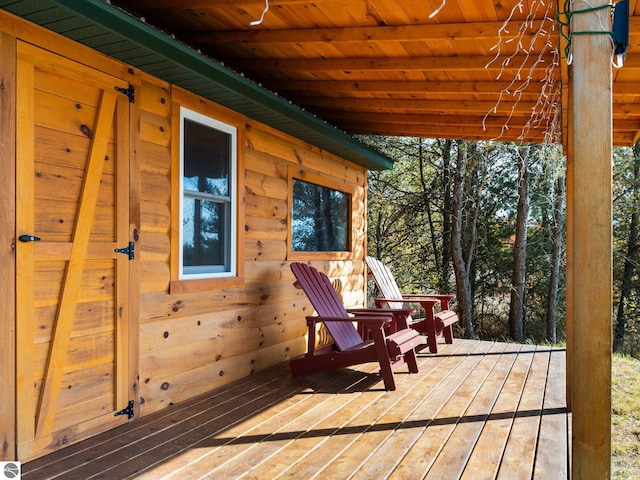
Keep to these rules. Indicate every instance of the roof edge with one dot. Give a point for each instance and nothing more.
(334, 140)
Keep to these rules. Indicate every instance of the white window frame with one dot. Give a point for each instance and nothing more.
(209, 271)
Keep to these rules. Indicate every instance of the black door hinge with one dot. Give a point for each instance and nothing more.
(128, 410)
(130, 250)
(129, 92)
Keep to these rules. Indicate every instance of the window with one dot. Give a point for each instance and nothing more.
(208, 161)
(320, 218)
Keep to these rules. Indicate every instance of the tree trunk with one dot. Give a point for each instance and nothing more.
(516, 311)
(426, 192)
(447, 182)
(631, 257)
(460, 264)
(556, 242)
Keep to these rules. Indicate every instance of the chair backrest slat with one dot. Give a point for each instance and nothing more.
(385, 281)
(327, 303)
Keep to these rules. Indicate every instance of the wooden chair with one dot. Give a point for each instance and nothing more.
(434, 324)
(390, 351)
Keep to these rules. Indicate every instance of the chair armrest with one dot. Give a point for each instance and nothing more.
(369, 320)
(427, 302)
(443, 299)
(400, 315)
(386, 303)
(381, 311)
(368, 311)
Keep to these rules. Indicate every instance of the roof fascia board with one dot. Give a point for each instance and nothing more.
(336, 141)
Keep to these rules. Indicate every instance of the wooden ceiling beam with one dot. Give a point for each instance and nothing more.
(390, 33)
(626, 111)
(625, 139)
(625, 119)
(626, 88)
(624, 125)
(463, 107)
(390, 86)
(348, 86)
(513, 134)
(528, 64)
(460, 124)
(443, 120)
(429, 131)
(141, 5)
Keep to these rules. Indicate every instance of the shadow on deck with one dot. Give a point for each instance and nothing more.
(476, 410)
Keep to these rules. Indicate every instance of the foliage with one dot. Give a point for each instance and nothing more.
(626, 202)
(409, 229)
(625, 417)
(408, 225)
(405, 227)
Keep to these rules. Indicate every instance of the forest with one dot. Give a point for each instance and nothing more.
(486, 221)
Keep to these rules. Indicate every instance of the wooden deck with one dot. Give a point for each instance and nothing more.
(476, 410)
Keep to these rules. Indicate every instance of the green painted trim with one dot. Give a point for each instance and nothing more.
(334, 140)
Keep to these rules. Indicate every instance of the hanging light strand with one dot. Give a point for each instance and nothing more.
(545, 112)
(264, 12)
(437, 10)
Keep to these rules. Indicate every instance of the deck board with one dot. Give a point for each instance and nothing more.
(476, 410)
(553, 454)
(455, 455)
(490, 445)
(518, 458)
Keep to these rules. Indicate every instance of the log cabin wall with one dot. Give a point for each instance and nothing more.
(181, 338)
(193, 341)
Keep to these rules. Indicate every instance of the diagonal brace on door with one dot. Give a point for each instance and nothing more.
(73, 275)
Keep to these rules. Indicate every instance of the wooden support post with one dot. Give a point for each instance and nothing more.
(589, 255)
(567, 143)
(569, 189)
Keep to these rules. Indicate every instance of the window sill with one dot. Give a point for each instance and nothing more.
(204, 285)
(302, 256)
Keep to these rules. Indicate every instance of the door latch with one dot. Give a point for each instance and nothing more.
(28, 238)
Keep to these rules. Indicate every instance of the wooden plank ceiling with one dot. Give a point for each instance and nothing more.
(475, 69)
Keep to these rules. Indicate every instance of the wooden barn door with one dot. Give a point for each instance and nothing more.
(72, 215)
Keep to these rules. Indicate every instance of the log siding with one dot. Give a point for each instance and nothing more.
(173, 340)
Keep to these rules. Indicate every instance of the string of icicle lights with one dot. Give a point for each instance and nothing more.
(545, 114)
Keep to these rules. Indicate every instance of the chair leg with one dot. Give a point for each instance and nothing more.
(412, 360)
(363, 331)
(432, 337)
(383, 359)
(448, 334)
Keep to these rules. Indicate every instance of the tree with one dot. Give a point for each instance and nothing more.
(631, 255)
(408, 226)
(518, 287)
(449, 211)
(556, 237)
(464, 234)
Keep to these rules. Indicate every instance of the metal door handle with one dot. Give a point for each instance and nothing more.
(28, 238)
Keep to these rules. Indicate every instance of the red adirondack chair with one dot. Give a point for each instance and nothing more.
(434, 324)
(390, 351)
